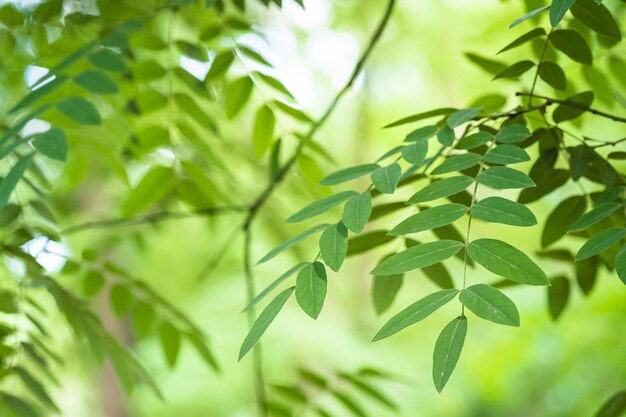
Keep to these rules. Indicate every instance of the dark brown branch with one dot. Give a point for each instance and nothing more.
(549, 101)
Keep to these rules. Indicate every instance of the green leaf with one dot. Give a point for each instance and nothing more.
(446, 136)
(193, 51)
(490, 304)
(614, 407)
(80, 110)
(152, 187)
(292, 111)
(320, 206)
(553, 75)
(422, 133)
(334, 246)
(528, 36)
(263, 130)
(430, 219)
(220, 64)
(600, 212)
(368, 241)
(348, 174)
(386, 179)
(311, 288)
(417, 257)
(564, 112)
(8, 183)
(170, 341)
(561, 218)
(291, 242)
(19, 407)
(620, 263)
(457, 163)
(35, 387)
(357, 211)
(421, 116)
(384, 291)
(275, 84)
(515, 70)
(462, 116)
(442, 188)
(597, 18)
(474, 141)
(506, 261)
(143, 321)
(528, 15)
(237, 95)
(502, 210)
(448, 351)
(121, 300)
(502, 178)
(506, 155)
(262, 322)
(274, 285)
(572, 44)
(34, 95)
(415, 153)
(558, 296)
(96, 82)
(488, 65)
(513, 133)
(108, 60)
(558, 10)
(52, 143)
(600, 242)
(416, 312)
(439, 275)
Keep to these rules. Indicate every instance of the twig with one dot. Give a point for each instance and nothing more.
(549, 101)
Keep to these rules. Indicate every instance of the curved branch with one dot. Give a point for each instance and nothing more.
(549, 101)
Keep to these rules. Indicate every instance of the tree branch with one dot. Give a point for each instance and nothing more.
(549, 101)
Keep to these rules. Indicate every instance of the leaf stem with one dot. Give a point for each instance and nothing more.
(541, 58)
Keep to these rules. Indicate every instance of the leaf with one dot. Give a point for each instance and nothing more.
(553, 75)
(474, 141)
(121, 300)
(558, 10)
(558, 178)
(502, 178)
(439, 275)
(8, 183)
(614, 407)
(152, 187)
(572, 44)
(490, 304)
(275, 84)
(220, 64)
(462, 116)
(384, 291)
(386, 179)
(415, 153)
(357, 211)
(564, 112)
(488, 65)
(506, 155)
(422, 133)
(457, 163)
(262, 322)
(349, 174)
(143, 321)
(19, 407)
(430, 219)
(291, 242)
(263, 130)
(600, 212)
(506, 261)
(579, 160)
(528, 36)
(34, 95)
(415, 312)
(170, 341)
(597, 18)
(417, 257)
(96, 82)
(620, 264)
(368, 241)
(442, 188)
(52, 143)
(515, 70)
(80, 110)
(528, 16)
(311, 288)
(513, 133)
(108, 60)
(448, 351)
(561, 218)
(237, 95)
(274, 284)
(421, 116)
(446, 136)
(334, 246)
(193, 51)
(558, 295)
(502, 210)
(320, 206)
(600, 242)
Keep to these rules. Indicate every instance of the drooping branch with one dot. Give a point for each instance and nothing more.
(550, 101)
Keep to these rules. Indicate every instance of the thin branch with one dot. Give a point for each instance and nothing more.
(152, 218)
(549, 101)
(541, 58)
(612, 143)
